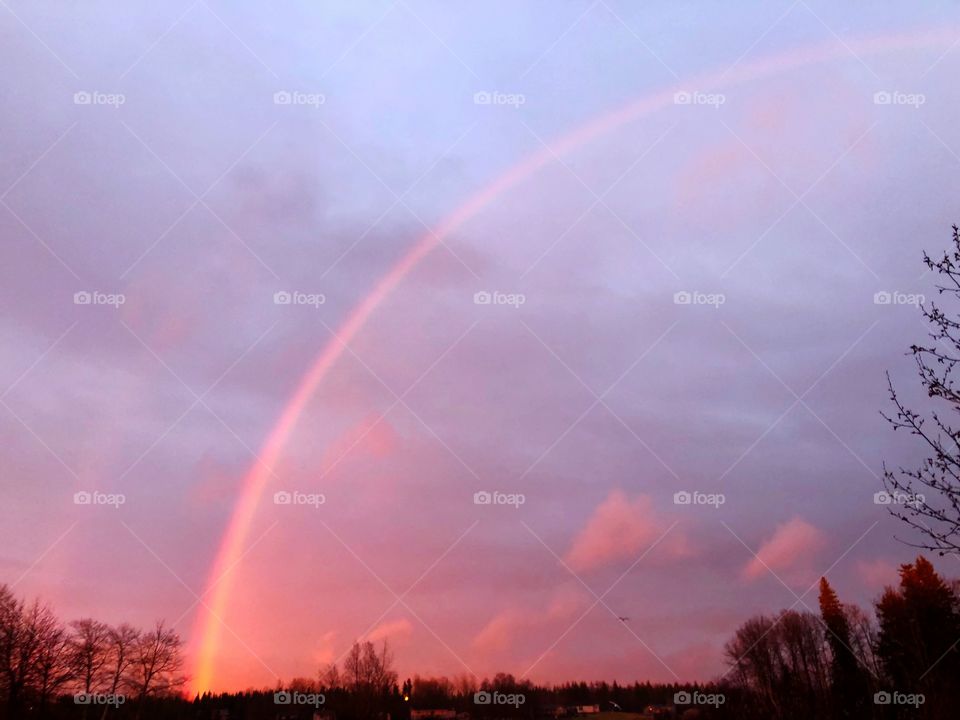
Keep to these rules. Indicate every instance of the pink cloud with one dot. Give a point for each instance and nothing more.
(324, 654)
(619, 529)
(877, 573)
(497, 634)
(513, 622)
(565, 604)
(390, 630)
(373, 436)
(691, 660)
(789, 553)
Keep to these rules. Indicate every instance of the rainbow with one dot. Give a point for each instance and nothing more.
(208, 624)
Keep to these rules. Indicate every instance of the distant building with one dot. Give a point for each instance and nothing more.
(437, 714)
(658, 711)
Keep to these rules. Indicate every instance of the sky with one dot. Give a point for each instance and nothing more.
(409, 320)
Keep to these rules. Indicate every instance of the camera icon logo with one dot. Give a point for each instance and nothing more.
(282, 97)
(882, 498)
(682, 298)
(882, 298)
(682, 498)
(482, 698)
(882, 98)
(282, 297)
(82, 298)
(682, 698)
(482, 298)
(282, 498)
(82, 98)
(482, 497)
(482, 98)
(682, 98)
(882, 698)
(282, 698)
(82, 498)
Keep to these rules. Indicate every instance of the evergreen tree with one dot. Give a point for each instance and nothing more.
(919, 630)
(847, 682)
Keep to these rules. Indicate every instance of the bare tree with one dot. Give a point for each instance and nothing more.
(353, 668)
(378, 668)
(34, 653)
(156, 664)
(369, 675)
(303, 685)
(90, 654)
(930, 493)
(121, 642)
(39, 658)
(330, 677)
(863, 639)
(783, 662)
(54, 667)
(11, 611)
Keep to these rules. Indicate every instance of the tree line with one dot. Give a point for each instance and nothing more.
(901, 661)
(87, 663)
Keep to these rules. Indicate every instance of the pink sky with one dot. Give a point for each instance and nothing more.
(584, 386)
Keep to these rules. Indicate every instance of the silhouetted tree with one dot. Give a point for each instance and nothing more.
(330, 677)
(156, 664)
(54, 666)
(783, 662)
(121, 642)
(919, 630)
(863, 642)
(370, 677)
(89, 654)
(847, 684)
(431, 693)
(34, 657)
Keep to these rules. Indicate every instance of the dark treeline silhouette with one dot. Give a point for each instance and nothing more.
(899, 660)
(902, 661)
(91, 666)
